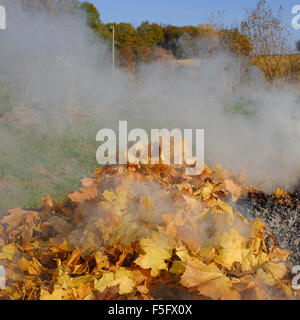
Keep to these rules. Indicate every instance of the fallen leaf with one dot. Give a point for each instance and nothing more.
(157, 250)
(8, 251)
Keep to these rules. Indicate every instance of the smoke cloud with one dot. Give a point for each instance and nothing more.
(63, 78)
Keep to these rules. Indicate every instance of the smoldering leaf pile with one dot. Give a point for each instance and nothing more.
(150, 232)
(144, 232)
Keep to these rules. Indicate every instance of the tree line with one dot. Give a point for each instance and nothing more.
(261, 37)
(149, 41)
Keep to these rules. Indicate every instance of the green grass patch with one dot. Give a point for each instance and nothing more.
(35, 161)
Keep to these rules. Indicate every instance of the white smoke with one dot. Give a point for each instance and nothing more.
(63, 72)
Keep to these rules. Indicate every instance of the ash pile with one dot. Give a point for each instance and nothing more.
(282, 217)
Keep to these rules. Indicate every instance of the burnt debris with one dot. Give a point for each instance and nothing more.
(282, 217)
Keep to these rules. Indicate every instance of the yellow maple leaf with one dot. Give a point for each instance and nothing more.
(117, 199)
(207, 171)
(198, 272)
(84, 291)
(88, 192)
(8, 251)
(219, 288)
(208, 280)
(252, 259)
(109, 196)
(232, 245)
(208, 191)
(182, 253)
(278, 270)
(18, 216)
(68, 282)
(57, 294)
(157, 250)
(122, 277)
(224, 207)
(178, 267)
(104, 282)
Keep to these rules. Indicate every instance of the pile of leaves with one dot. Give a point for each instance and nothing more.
(143, 232)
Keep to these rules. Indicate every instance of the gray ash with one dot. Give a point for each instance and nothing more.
(283, 219)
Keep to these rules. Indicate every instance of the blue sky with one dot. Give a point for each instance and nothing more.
(185, 12)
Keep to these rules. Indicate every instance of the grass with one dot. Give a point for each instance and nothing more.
(240, 106)
(6, 98)
(279, 66)
(35, 161)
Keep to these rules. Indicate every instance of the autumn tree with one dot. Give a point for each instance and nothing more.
(149, 35)
(125, 42)
(171, 36)
(124, 33)
(268, 37)
(188, 41)
(127, 57)
(191, 43)
(236, 42)
(144, 54)
(92, 15)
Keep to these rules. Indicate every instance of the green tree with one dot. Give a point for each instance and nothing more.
(124, 34)
(184, 41)
(171, 36)
(194, 32)
(92, 15)
(149, 35)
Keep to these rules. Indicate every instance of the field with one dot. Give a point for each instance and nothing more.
(37, 160)
(285, 66)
